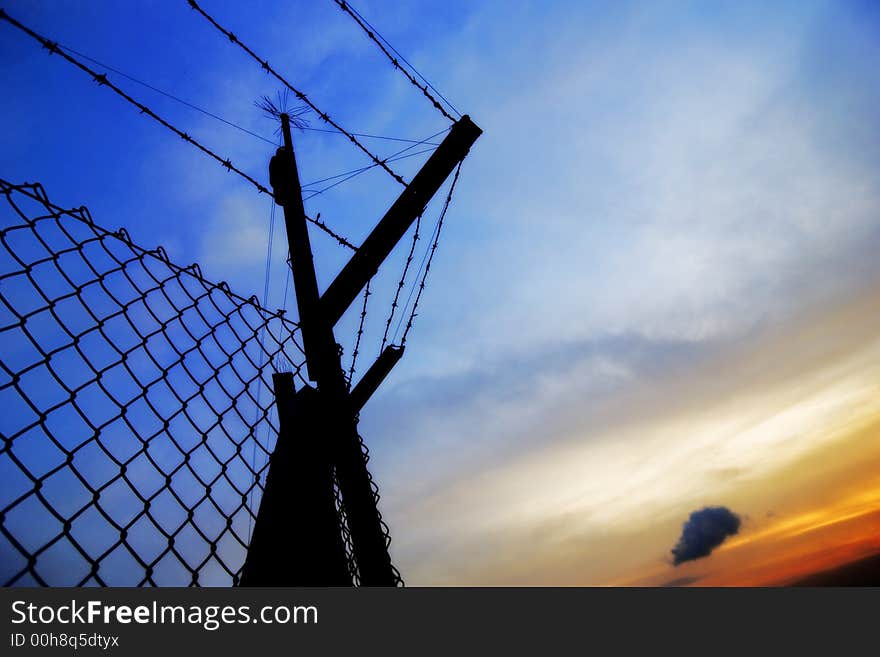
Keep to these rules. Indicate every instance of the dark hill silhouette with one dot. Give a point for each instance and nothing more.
(864, 572)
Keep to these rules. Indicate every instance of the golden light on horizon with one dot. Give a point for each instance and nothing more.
(783, 432)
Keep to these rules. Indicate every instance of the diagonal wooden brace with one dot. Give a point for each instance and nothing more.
(374, 376)
(391, 228)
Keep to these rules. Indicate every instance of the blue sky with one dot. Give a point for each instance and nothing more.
(661, 188)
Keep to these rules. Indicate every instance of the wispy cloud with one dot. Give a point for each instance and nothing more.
(561, 493)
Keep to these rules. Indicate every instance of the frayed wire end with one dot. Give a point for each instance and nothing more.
(274, 108)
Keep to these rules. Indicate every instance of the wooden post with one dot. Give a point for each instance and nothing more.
(296, 539)
(330, 419)
(336, 422)
(318, 341)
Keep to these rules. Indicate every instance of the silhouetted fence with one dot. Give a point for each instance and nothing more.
(136, 407)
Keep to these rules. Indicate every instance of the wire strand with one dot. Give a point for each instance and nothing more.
(394, 157)
(262, 354)
(360, 333)
(401, 282)
(358, 172)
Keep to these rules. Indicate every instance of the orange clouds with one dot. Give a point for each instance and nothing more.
(783, 429)
(793, 555)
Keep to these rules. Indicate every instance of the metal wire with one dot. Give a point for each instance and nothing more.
(394, 303)
(360, 334)
(348, 175)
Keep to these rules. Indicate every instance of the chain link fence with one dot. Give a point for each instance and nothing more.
(136, 407)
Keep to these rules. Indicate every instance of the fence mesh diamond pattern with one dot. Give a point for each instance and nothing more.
(136, 409)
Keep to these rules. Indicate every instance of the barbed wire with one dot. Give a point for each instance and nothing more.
(102, 80)
(264, 64)
(372, 33)
(400, 284)
(430, 255)
(421, 276)
(360, 333)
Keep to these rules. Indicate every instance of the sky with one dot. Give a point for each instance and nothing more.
(656, 289)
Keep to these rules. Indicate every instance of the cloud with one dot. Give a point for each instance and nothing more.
(548, 464)
(695, 198)
(704, 531)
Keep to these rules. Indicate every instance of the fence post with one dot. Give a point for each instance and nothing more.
(333, 414)
(297, 540)
(334, 420)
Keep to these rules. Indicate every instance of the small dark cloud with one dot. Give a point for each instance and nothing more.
(704, 531)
